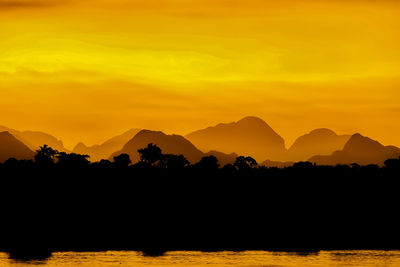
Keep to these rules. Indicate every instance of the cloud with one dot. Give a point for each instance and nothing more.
(22, 4)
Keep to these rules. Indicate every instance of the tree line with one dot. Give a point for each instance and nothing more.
(153, 157)
(61, 202)
(150, 156)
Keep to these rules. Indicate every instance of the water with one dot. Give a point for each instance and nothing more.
(248, 258)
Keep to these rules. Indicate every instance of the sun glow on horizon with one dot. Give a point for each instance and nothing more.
(80, 68)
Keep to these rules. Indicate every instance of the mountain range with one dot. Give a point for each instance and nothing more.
(35, 139)
(250, 136)
(317, 142)
(361, 150)
(169, 144)
(104, 150)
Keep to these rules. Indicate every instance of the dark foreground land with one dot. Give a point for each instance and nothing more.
(95, 207)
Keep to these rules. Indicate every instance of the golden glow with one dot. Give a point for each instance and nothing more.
(87, 70)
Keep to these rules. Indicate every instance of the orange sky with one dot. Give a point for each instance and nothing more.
(86, 70)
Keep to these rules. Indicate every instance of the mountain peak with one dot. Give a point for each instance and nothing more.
(252, 119)
(35, 139)
(320, 141)
(80, 146)
(169, 144)
(359, 149)
(149, 132)
(104, 150)
(11, 147)
(323, 131)
(250, 136)
(358, 135)
(358, 142)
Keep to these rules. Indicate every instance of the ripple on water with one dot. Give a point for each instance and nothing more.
(193, 258)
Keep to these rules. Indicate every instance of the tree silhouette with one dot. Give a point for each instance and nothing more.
(393, 163)
(245, 163)
(122, 160)
(151, 154)
(229, 168)
(208, 163)
(45, 155)
(11, 162)
(355, 165)
(174, 161)
(104, 163)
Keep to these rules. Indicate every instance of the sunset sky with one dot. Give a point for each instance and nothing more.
(86, 70)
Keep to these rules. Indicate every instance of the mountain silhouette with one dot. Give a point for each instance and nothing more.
(169, 144)
(11, 147)
(250, 136)
(317, 142)
(103, 151)
(35, 139)
(361, 150)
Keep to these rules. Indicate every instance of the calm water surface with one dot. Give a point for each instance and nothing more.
(248, 258)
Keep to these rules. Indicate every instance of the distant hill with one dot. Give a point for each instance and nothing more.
(169, 144)
(103, 151)
(317, 142)
(11, 147)
(250, 136)
(276, 164)
(359, 149)
(35, 139)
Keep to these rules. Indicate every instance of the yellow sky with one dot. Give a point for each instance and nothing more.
(86, 70)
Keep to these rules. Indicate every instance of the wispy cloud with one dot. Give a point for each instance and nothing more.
(21, 4)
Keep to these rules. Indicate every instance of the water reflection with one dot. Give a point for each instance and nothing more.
(192, 258)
